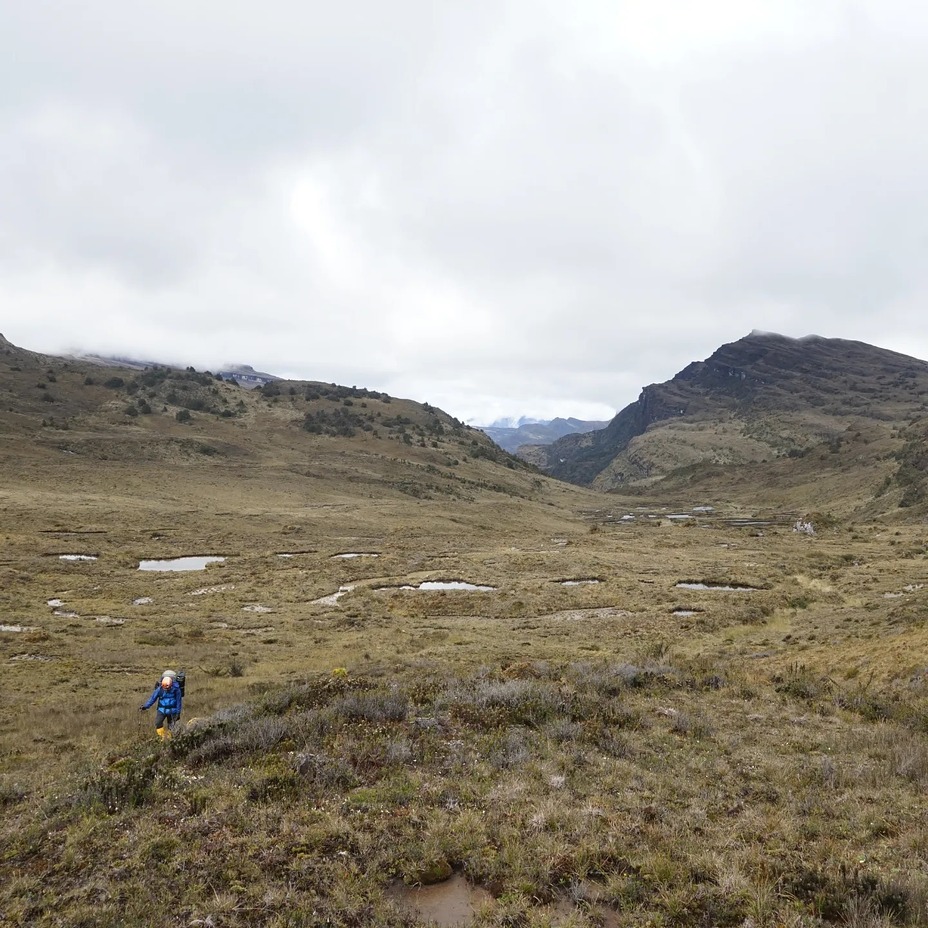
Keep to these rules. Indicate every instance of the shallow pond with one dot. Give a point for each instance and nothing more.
(353, 554)
(717, 587)
(580, 582)
(431, 585)
(180, 563)
(77, 557)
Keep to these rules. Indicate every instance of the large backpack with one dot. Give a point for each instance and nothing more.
(182, 682)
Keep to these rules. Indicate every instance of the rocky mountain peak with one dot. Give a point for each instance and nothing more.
(757, 399)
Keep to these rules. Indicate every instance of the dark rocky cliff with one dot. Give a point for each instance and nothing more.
(782, 392)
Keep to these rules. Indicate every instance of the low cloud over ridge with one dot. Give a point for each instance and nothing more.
(499, 208)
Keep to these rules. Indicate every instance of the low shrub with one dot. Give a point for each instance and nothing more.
(126, 784)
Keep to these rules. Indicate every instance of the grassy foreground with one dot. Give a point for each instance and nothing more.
(623, 752)
(660, 791)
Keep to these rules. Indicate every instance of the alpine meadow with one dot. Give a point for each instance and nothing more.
(432, 682)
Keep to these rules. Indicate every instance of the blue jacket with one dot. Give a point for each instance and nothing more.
(169, 700)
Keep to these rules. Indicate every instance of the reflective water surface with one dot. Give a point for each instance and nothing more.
(180, 563)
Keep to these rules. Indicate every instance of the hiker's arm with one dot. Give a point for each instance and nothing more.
(152, 698)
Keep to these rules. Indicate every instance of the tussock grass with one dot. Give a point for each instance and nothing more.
(622, 798)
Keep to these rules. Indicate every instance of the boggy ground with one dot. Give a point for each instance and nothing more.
(583, 754)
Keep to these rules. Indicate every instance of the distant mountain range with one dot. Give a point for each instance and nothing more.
(534, 432)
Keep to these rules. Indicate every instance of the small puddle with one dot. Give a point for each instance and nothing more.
(77, 557)
(451, 904)
(579, 582)
(19, 628)
(686, 612)
(142, 601)
(432, 585)
(65, 614)
(451, 585)
(180, 563)
(256, 607)
(716, 587)
(55, 603)
(109, 620)
(353, 554)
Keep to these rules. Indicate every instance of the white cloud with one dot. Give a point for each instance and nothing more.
(501, 208)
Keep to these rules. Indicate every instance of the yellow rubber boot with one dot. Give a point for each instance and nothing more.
(161, 732)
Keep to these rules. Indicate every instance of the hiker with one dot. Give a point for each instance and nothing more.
(169, 695)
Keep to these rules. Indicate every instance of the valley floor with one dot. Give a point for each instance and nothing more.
(587, 743)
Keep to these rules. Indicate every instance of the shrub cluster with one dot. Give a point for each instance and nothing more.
(338, 421)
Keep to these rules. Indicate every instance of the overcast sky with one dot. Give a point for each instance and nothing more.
(500, 208)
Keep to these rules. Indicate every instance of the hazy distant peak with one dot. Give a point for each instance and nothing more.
(538, 431)
(510, 422)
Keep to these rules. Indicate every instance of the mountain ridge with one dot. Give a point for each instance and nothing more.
(68, 415)
(761, 399)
